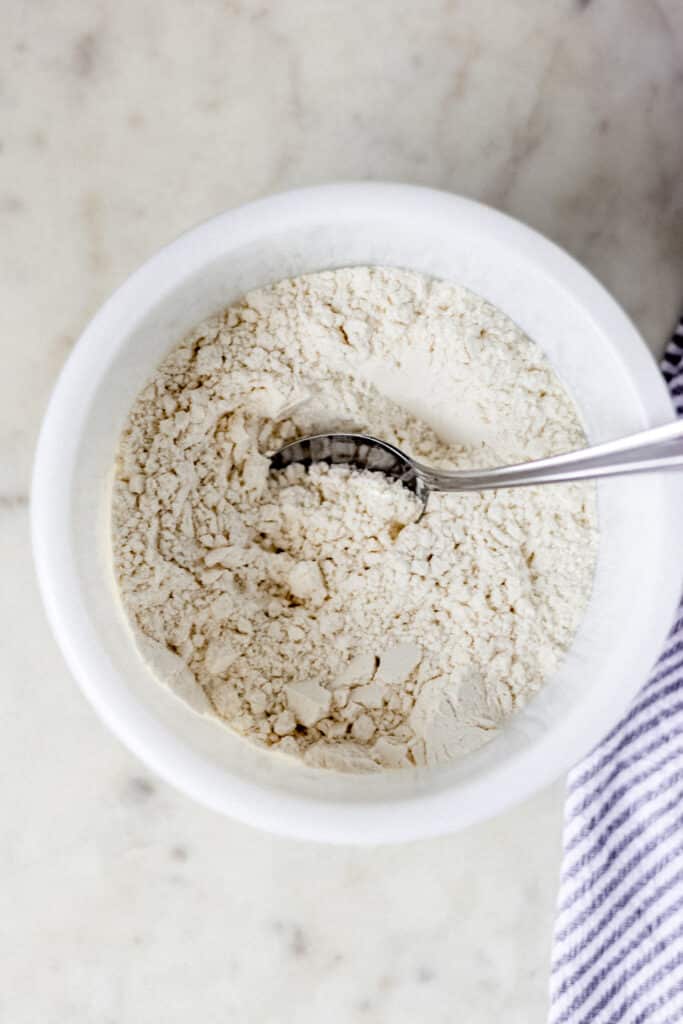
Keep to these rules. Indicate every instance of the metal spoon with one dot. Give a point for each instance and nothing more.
(648, 451)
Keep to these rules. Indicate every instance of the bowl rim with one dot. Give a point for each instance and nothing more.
(419, 816)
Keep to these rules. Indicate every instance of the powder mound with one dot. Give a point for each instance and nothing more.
(315, 611)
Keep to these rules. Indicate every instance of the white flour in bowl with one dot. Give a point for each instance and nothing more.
(311, 610)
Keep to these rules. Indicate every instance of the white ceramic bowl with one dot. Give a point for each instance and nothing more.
(596, 352)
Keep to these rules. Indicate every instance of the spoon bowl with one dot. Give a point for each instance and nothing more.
(358, 450)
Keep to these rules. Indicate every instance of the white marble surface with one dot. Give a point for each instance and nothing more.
(120, 125)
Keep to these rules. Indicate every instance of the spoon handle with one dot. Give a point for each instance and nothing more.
(660, 448)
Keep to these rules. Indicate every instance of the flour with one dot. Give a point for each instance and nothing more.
(312, 611)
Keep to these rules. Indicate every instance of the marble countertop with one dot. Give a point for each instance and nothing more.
(121, 124)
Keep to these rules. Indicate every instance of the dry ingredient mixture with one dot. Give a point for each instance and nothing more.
(311, 610)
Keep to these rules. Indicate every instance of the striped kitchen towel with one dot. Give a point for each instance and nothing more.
(618, 944)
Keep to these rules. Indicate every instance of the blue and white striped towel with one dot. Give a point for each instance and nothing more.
(618, 943)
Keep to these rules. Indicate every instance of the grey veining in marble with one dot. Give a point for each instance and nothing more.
(121, 124)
